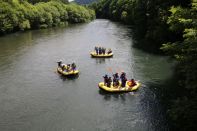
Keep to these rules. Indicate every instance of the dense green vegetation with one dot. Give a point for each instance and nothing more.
(21, 15)
(169, 26)
(184, 49)
(148, 16)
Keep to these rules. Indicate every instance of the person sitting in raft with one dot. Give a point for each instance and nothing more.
(68, 67)
(109, 82)
(73, 66)
(131, 83)
(61, 65)
(105, 79)
(96, 49)
(109, 51)
(123, 79)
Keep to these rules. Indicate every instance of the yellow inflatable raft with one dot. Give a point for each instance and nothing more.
(119, 89)
(65, 73)
(93, 54)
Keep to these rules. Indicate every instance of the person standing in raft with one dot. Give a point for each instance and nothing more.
(123, 79)
(99, 50)
(104, 50)
(109, 82)
(123, 74)
(73, 66)
(96, 49)
(116, 80)
(105, 79)
(59, 64)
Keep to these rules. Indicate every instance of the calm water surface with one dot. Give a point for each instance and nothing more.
(33, 97)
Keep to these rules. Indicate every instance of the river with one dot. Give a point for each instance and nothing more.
(34, 97)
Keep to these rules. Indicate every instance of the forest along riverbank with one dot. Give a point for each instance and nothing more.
(23, 15)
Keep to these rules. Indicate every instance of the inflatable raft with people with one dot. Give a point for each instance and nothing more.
(100, 52)
(118, 84)
(67, 70)
(112, 88)
(93, 54)
(69, 73)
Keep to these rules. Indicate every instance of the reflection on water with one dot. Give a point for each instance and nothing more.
(33, 97)
(100, 60)
(70, 78)
(108, 96)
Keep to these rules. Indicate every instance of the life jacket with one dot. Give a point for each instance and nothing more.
(130, 83)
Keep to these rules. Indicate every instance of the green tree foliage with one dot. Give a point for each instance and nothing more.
(148, 17)
(78, 14)
(184, 21)
(21, 15)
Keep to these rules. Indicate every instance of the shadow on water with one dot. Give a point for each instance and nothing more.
(139, 42)
(100, 60)
(108, 96)
(66, 78)
(148, 46)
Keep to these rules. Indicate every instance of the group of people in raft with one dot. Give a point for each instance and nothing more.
(116, 80)
(67, 67)
(102, 50)
(107, 80)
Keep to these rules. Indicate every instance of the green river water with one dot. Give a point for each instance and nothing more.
(33, 97)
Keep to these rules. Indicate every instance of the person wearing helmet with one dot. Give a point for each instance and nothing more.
(109, 82)
(123, 79)
(109, 51)
(73, 66)
(115, 79)
(96, 49)
(59, 63)
(105, 79)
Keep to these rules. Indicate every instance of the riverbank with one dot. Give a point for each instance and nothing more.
(20, 15)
